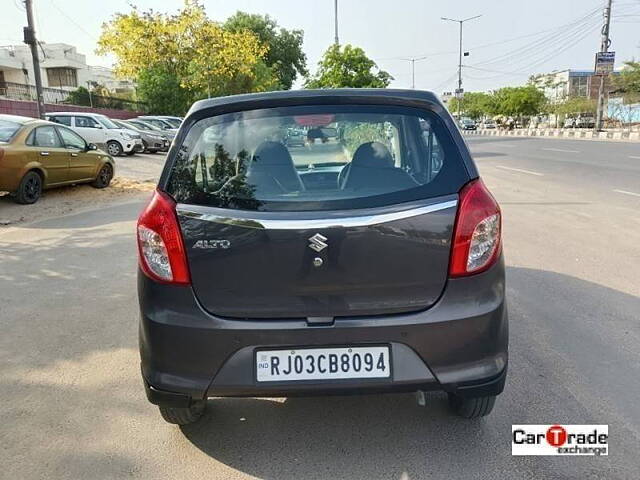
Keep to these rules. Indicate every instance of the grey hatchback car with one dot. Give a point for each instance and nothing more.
(370, 263)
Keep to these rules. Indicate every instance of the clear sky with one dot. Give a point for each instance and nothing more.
(511, 40)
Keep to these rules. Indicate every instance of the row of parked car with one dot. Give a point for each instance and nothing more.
(149, 134)
(64, 149)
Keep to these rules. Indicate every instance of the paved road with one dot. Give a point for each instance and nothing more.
(72, 404)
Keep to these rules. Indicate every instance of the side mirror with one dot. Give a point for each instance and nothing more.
(91, 146)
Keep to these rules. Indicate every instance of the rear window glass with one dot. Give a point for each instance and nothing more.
(8, 129)
(316, 158)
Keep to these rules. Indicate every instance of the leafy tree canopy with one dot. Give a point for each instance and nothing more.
(347, 66)
(519, 101)
(475, 105)
(284, 56)
(574, 105)
(185, 56)
(628, 81)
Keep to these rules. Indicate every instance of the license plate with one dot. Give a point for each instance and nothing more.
(322, 364)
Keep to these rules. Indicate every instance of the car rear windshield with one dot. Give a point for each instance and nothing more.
(316, 158)
(8, 129)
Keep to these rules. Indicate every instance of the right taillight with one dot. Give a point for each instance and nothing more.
(476, 236)
(161, 252)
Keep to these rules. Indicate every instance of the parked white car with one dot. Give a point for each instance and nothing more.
(99, 129)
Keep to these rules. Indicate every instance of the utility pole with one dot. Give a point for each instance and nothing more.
(89, 90)
(413, 61)
(30, 39)
(605, 42)
(459, 91)
(335, 22)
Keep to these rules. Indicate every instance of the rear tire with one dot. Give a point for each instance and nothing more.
(30, 188)
(104, 176)
(471, 407)
(184, 415)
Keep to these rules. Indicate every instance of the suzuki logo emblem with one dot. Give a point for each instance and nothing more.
(317, 242)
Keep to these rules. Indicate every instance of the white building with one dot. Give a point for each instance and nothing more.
(62, 67)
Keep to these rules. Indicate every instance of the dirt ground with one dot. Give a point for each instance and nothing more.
(62, 201)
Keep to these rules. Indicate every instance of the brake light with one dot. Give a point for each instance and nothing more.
(161, 253)
(476, 236)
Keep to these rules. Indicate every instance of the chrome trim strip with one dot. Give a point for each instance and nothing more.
(303, 224)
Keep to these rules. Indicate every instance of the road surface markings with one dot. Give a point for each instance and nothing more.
(520, 170)
(633, 156)
(627, 193)
(560, 150)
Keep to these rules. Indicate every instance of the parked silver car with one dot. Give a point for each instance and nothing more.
(153, 140)
(162, 123)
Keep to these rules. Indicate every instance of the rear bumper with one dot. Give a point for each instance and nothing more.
(459, 345)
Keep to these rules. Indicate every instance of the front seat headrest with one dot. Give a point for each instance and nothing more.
(372, 155)
(271, 153)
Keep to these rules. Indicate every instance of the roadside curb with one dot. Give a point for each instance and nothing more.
(572, 134)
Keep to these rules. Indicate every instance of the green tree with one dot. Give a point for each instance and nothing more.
(519, 101)
(574, 105)
(628, 82)
(185, 56)
(475, 105)
(285, 56)
(347, 66)
(160, 88)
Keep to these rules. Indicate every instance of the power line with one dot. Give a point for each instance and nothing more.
(540, 46)
(80, 27)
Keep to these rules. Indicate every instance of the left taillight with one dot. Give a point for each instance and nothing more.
(161, 253)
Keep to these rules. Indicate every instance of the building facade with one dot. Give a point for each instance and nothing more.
(62, 68)
(564, 84)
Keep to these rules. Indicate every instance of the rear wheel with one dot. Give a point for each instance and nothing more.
(114, 148)
(30, 188)
(104, 177)
(472, 407)
(184, 415)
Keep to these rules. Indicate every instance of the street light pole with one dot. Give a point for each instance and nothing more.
(413, 61)
(459, 89)
(30, 39)
(605, 42)
(335, 22)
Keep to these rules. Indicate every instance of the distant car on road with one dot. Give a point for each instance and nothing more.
(370, 265)
(569, 123)
(37, 154)
(152, 140)
(99, 129)
(468, 124)
(585, 121)
(295, 137)
(489, 124)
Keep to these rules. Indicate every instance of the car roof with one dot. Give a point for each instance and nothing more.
(388, 95)
(62, 114)
(25, 120)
